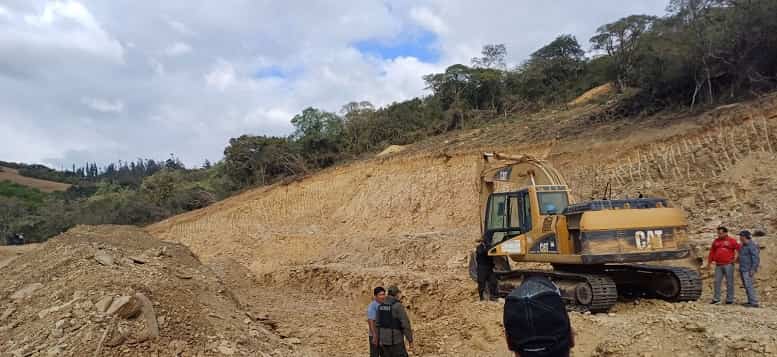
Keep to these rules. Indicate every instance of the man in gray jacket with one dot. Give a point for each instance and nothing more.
(393, 326)
(748, 266)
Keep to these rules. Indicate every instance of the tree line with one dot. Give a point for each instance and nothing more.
(123, 172)
(136, 193)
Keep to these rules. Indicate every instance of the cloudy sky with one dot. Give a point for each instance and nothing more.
(102, 81)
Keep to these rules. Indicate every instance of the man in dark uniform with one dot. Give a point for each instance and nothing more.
(393, 325)
(485, 272)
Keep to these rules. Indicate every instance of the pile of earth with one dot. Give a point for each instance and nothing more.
(115, 290)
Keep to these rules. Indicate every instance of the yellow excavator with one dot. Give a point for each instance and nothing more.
(598, 249)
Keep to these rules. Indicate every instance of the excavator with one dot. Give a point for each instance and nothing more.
(598, 249)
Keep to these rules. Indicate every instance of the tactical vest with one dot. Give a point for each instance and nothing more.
(386, 317)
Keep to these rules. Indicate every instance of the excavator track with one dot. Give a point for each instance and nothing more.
(581, 292)
(596, 288)
(663, 282)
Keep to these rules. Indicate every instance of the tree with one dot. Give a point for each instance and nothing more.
(315, 123)
(356, 108)
(620, 40)
(11, 210)
(451, 88)
(358, 126)
(552, 73)
(493, 56)
(320, 136)
(450, 85)
(251, 160)
(161, 186)
(173, 163)
(563, 48)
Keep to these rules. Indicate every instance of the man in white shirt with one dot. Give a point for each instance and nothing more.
(379, 296)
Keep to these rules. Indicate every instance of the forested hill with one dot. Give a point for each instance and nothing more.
(702, 53)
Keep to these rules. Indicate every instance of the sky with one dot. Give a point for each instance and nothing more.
(102, 81)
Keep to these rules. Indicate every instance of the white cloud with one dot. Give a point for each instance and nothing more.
(103, 105)
(424, 17)
(157, 67)
(403, 77)
(4, 12)
(68, 24)
(177, 49)
(179, 27)
(17, 137)
(221, 76)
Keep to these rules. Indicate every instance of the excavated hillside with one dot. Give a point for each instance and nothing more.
(311, 251)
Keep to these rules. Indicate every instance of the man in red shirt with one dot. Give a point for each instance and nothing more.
(723, 253)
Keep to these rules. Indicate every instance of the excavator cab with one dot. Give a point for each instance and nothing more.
(508, 215)
(511, 215)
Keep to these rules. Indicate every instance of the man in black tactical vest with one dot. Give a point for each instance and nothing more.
(393, 326)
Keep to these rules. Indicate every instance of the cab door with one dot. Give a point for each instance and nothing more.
(507, 215)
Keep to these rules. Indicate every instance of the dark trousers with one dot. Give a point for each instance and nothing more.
(487, 283)
(375, 350)
(397, 350)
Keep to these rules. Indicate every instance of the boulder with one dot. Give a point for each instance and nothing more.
(26, 291)
(131, 309)
(103, 258)
(103, 304)
(117, 304)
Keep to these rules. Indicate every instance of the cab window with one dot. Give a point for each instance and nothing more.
(525, 211)
(552, 202)
(515, 211)
(497, 212)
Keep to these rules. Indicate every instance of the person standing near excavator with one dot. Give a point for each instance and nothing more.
(379, 296)
(485, 272)
(748, 266)
(723, 254)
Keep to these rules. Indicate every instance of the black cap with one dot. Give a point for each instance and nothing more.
(745, 234)
(535, 319)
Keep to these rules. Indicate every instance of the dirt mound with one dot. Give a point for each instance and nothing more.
(593, 93)
(391, 149)
(114, 290)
